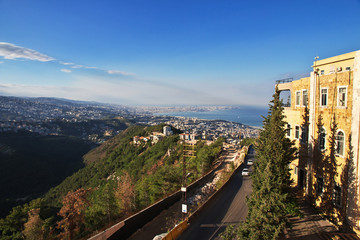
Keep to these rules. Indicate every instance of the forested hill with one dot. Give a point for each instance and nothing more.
(113, 158)
(30, 164)
(120, 178)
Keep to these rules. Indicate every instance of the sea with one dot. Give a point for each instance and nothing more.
(251, 116)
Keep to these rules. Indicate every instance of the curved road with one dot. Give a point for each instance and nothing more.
(227, 208)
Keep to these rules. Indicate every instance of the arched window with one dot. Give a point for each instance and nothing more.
(340, 143)
(288, 130)
(322, 138)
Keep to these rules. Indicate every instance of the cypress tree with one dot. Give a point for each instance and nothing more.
(270, 201)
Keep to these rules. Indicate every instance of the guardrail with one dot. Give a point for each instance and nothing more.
(179, 229)
(176, 231)
(127, 227)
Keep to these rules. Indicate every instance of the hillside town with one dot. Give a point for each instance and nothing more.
(99, 122)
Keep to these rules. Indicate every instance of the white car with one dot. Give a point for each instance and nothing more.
(245, 172)
(250, 162)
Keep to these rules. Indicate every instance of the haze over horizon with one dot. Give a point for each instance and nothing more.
(167, 52)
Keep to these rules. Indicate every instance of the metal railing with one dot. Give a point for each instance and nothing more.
(286, 104)
(285, 80)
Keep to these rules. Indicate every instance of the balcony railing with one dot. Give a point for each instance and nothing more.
(286, 104)
(285, 80)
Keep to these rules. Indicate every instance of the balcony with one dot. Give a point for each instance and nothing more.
(284, 84)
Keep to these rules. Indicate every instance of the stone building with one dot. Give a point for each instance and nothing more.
(327, 167)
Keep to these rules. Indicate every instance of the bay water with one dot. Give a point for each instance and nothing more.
(247, 115)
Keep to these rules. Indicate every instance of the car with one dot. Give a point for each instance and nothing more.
(245, 172)
(250, 162)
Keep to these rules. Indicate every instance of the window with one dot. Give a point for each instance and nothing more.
(348, 68)
(337, 196)
(297, 98)
(285, 96)
(342, 96)
(323, 97)
(304, 134)
(339, 143)
(288, 130)
(305, 98)
(322, 138)
(320, 186)
(322, 72)
(297, 132)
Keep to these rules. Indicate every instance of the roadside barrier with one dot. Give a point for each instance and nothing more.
(130, 225)
(179, 229)
(176, 231)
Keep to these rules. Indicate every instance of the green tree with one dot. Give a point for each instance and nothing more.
(247, 141)
(270, 201)
(103, 207)
(329, 173)
(13, 224)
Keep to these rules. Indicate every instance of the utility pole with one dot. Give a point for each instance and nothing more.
(188, 153)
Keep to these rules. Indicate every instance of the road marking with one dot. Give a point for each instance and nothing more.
(219, 225)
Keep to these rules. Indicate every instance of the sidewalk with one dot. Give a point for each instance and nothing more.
(312, 226)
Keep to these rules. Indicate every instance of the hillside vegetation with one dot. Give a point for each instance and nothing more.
(119, 179)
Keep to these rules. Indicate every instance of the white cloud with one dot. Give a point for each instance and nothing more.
(119, 72)
(77, 66)
(66, 63)
(103, 89)
(33, 90)
(82, 66)
(65, 70)
(11, 51)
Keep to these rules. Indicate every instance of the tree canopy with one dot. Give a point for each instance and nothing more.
(270, 200)
(121, 178)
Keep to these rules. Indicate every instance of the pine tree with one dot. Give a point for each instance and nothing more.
(269, 201)
(329, 173)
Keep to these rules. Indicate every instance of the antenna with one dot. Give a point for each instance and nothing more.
(315, 58)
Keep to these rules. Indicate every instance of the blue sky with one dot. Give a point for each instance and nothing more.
(168, 52)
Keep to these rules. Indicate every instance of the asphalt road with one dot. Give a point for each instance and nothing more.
(227, 208)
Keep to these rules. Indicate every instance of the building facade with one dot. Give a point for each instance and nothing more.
(323, 116)
(167, 131)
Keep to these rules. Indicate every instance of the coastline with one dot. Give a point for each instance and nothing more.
(247, 116)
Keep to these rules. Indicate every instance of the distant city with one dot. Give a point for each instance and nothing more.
(98, 122)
